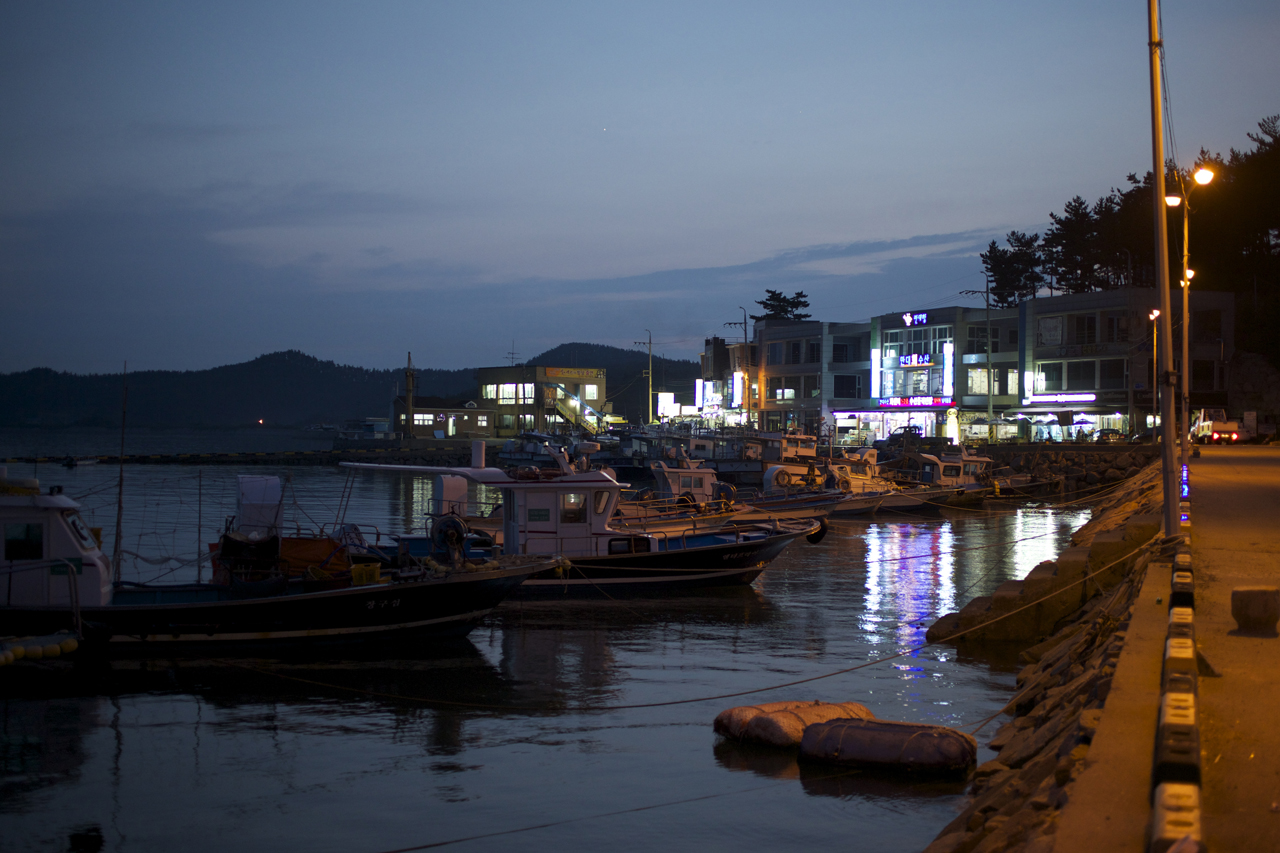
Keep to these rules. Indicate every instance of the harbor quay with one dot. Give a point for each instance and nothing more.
(1144, 722)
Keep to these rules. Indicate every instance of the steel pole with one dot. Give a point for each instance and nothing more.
(1164, 376)
(1183, 441)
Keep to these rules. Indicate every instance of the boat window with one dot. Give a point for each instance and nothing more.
(539, 514)
(697, 482)
(602, 501)
(686, 482)
(951, 470)
(640, 545)
(85, 538)
(619, 546)
(24, 541)
(573, 508)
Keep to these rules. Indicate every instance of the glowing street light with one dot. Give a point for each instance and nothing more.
(1201, 177)
(1155, 371)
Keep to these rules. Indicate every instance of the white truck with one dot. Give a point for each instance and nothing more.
(1210, 426)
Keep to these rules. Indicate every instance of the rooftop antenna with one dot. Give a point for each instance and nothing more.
(512, 355)
(117, 553)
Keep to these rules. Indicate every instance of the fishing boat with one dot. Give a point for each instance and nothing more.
(55, 577)
(570, 511)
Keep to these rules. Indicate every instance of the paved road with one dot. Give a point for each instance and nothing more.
(1235, 518)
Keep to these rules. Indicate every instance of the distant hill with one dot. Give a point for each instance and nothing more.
(283, 389)
(295, 389)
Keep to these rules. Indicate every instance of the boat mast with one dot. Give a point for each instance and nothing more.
(117, 553)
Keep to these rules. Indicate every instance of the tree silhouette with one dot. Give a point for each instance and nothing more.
(1014, 272)
(778, 306)
(1071, 254)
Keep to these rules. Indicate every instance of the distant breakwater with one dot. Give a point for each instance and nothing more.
(459, 456)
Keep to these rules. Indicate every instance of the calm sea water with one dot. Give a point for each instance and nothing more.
(520, 737)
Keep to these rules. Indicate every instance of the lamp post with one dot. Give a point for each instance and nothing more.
(1155, 372)
(1201, 176)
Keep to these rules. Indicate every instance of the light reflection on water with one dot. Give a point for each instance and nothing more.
(321, 754)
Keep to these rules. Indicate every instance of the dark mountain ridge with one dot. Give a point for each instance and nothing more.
(289, 388)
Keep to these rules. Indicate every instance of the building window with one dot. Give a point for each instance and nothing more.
(1082, 375)
(1011, 381)
(482, 420)
(774, 353)
(793, 352)
(423, 419)
(813, 352)
(812, 386)
(507, 394)
(1111, 374)
(978, 384)
(891, 343)
(1013, 337)
(507, 421)
(1117, 329)
(1049, 332)
(489, 392)
(526, 421)
(840, 354)
(1049, 376)
(526, 393)
(1084, 329)
(978, 340)
(848, 386)
(590, 392)
(1202, 372)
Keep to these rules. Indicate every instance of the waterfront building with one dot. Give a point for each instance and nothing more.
(537, 398)
(435, 417)
(1056, 367)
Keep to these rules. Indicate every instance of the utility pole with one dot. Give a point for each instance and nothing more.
(746, 362)
(1165, 377)
(408, 398)
(649, 372)
(991, 379)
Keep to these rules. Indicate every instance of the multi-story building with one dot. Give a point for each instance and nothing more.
(434, 417)
(1054, 367)
(531, 397)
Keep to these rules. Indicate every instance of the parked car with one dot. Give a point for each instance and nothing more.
(1143, 437)
(1108, 436)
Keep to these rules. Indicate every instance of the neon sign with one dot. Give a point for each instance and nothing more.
(1061, 398)
(909, 402)
(916, 359)
(910, 319)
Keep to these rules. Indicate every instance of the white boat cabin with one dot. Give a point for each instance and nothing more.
(46, 549)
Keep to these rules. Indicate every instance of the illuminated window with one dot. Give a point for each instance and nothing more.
(573, 508)
(978, 383)
(489, 392)
(507, 394)
(526, 393)
(420, 419)
(590, 392)
(482, 420)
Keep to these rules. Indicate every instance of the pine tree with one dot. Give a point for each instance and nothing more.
(780, 307)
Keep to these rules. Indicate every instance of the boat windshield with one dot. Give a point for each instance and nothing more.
(83, 536)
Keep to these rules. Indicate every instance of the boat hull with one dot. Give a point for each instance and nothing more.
(210, 621)
(728, 564)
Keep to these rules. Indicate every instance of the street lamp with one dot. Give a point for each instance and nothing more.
(1155, 371)
(1201, 176)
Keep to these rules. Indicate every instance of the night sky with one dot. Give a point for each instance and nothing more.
(189, 185)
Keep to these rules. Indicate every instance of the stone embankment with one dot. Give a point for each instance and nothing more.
(1061, 698)
(1104, 552)
(1079, 467)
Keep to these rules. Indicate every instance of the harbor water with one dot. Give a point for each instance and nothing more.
(555, 725)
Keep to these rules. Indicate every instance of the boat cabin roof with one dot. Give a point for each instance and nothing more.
(37, 502)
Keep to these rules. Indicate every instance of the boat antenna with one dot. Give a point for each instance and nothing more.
(118, 553)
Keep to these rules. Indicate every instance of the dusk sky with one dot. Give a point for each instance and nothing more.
(189, 185)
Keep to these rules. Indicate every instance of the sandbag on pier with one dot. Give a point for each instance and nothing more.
(883, 743)
(783, 723)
